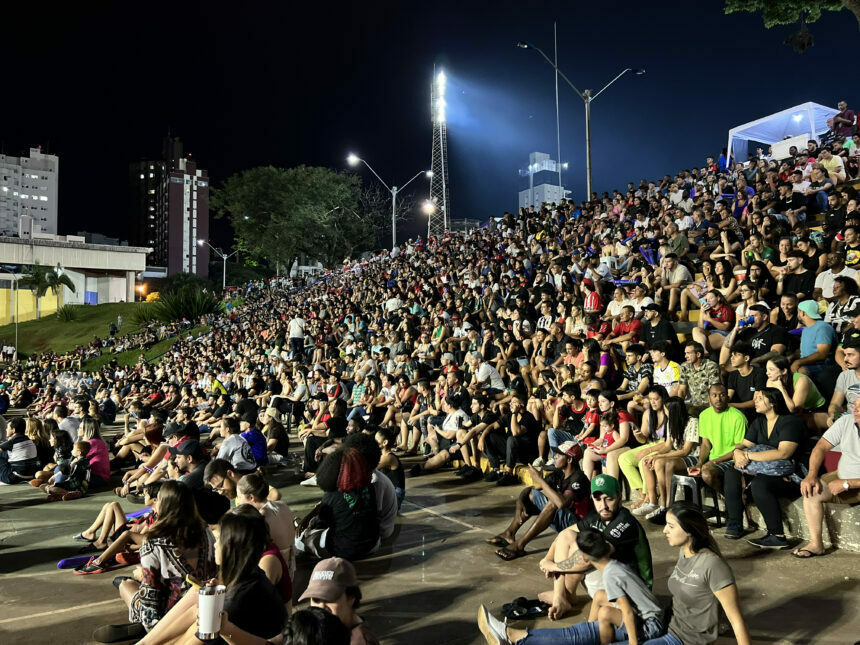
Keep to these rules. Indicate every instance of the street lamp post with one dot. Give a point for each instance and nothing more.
(224, 257)
(354, 160)
(587, 97)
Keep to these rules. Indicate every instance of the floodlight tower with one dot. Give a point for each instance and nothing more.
(440, 217)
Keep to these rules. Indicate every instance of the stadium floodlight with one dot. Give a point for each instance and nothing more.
(797, 118)
(428, 206)
(587, 97)
(352, 159)
(429, 174)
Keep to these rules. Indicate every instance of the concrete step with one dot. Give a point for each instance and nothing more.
(841, 523)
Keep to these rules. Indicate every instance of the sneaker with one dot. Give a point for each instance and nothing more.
(645, 509)
(90, 568)
(462, 471)
(769, 541)
(492, 628)
(127, 558)
(492, 476)
(134, 498)
(657, 511)
(539, 463)
(310, 481)
(471, 473)
(733, 532)
(507, 479)
(75, 494)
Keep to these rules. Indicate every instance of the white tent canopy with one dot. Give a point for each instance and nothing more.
(807, 118)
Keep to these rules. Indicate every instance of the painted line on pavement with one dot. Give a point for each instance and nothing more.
(446, 517)
(6, 621)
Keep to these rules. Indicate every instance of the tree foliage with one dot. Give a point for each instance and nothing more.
(40, 279)
(787, 12)
(281, 214)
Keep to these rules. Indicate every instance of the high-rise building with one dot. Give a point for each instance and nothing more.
(28, 186)
(542, 173)
(169, 210)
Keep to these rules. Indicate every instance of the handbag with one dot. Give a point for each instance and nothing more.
(775, 468)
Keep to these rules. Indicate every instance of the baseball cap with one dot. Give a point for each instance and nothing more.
(570, 449)
(448, 356)
(606, 484)
(653, 307)
(191, 447)
(329, 580)
(810, 308)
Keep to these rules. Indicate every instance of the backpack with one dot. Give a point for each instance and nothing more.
(776, 468)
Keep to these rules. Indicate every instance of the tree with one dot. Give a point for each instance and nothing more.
(282, 214)
(375, 211)
(787, 12)
(40, 279)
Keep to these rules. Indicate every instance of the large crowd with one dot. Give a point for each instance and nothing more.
(703, 328)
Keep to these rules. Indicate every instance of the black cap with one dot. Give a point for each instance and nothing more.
(188, 448)
(653, 307)
(248, 417)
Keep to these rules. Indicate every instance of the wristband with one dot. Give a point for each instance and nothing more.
(147, 469)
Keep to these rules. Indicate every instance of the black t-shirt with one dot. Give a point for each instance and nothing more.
(746, 386)
(527, 421)
(663, 330)
(336, 427)
(628, 538)
(254, 605)
(764, 339)
(246, 406)
(811, 262)
(799, 283)
(489, 418)
(577, 484)
(786, 428)
(354, 523)
(834, 220)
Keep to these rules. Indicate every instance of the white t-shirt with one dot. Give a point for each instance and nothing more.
(487, 372)
(614, 307)
(279, 518)
(844, 436)
(297, 328)
(824, 281)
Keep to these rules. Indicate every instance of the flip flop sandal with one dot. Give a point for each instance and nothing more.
(80, 538)
(812, 554)
(507, 554)
(497, 541)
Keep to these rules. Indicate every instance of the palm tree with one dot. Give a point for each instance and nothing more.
(40, 279)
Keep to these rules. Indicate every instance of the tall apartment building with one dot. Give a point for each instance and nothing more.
(169, 210)
(29, 186)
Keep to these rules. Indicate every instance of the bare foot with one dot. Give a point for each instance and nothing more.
(546, 596)
(559, 609)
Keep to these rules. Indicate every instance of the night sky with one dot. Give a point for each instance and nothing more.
(285, 83)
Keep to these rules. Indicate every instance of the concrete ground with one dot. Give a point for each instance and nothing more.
(424, 587)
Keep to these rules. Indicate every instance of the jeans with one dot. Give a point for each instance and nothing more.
(665, 639)
(357, 411)
(557, 437)
(589, 634)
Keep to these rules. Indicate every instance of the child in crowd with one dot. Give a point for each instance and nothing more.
(62, 445)
(590, 420)
(73, 485)
(596, 452)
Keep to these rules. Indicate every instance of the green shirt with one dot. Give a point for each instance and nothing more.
(814, 400)
(724, 431)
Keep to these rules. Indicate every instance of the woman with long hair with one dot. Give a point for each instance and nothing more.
(773, 436)
(179, 544)
(679, 451)
(715, 322)
(41, 438)
(651, 435)
(798, 390)
(694, 293)
(724, 279)
(254, 608)
(604, 360)
(608, 401)
(98, 456)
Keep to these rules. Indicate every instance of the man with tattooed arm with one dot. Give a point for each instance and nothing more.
(568, 568)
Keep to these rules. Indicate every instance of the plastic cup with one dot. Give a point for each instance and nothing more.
(210, 603)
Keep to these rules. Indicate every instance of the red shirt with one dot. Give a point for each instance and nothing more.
(633, 327)
(723, 313)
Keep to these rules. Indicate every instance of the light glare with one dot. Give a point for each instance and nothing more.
(352, 159)
(797, 117)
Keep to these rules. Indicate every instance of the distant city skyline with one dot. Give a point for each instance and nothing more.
(251, 86)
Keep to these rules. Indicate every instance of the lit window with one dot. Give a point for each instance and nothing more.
(151, 175)
(43, 198)
(142, 176)
(25, 197)
(202, 183)
(5, 189)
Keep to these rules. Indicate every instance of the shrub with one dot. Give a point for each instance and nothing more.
(144, 314)
(152, 297)
(186, 303)
(66, 313)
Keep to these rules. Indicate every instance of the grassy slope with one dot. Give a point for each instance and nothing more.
(50, 333)
(131, 357)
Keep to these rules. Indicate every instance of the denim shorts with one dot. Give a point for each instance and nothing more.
(563, 517)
